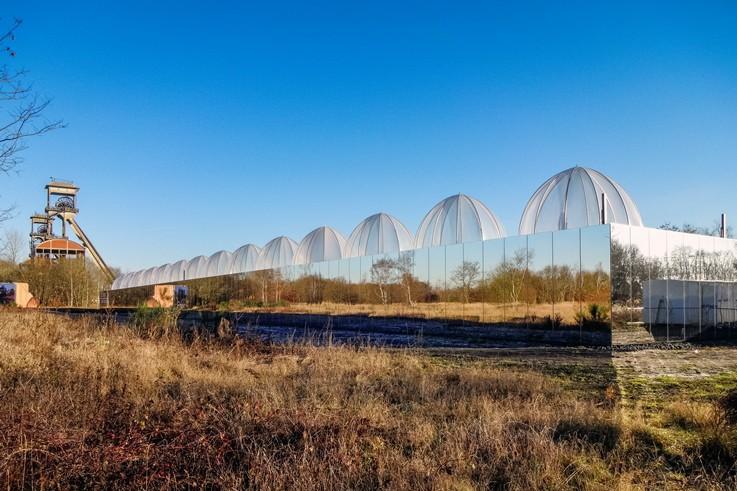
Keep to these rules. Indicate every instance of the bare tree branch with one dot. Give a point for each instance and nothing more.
(11, 246)
(22, 107)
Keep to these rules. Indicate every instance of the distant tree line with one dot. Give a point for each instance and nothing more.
(392, 281)
(714, 230)
(63, 282)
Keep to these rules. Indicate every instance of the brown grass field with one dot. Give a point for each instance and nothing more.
(483, 312)
(86, 404)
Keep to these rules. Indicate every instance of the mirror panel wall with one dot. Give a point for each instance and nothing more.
(646, 285)
(554, 280)
(672, 286)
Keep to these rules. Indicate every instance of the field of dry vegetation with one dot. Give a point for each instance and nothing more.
(89, 404)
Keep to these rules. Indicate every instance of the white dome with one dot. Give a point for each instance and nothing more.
(219, 263)
(322, 244)
(134, 279)
(165, 273)
(571, 199)
(147, 277)
(378, 234)
(196, 268)
(159, 274)
(127, 280)
(176, 271)
(122, 281)
(245, 258)
(140, 279)
(277, 253)
(456, 219)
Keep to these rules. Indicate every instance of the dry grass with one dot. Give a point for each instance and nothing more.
(483, 312)
(86, 405)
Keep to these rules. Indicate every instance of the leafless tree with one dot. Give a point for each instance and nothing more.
(404, 266)
(21, 106)
(715, 230)
(382, 273)
(514, 273)
(465, 276)
(11, 246)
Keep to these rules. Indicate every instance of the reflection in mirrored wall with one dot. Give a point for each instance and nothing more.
(514, 278)
(596, 292)
(641, 284)
(471, 281)
(621, 271)
(456, 279)
(539, 285)
(567, 260)
(493, 290)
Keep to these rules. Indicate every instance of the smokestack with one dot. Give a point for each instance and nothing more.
(604, 216)
(723, 227)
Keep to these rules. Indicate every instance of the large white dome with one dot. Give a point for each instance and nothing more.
(571, 199)
(219, 263)
(456, 219)
(159, 274)
(378, 234)
(176, 272)
(277, 253)
(165, 273)
(130, 280)
(124, 280)
(322, 244)
(245, 258)
(147, 278)
(196, 268)
(116, 282)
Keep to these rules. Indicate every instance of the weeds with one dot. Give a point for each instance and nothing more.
(155, 322)
(89, 405)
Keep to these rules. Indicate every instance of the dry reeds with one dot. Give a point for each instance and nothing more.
(90, 405)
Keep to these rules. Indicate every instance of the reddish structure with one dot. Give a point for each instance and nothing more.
(61, 203)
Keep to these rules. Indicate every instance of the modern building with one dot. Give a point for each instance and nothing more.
(582, 262)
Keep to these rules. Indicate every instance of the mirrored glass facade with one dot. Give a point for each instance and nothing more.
(618, 283)
(553, 281)
(672, 286)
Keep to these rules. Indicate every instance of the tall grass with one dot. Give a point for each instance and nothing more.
(93, 405)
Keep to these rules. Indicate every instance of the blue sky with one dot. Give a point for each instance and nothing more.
(194, 127)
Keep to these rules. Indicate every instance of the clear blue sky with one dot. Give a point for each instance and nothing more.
(198, 126)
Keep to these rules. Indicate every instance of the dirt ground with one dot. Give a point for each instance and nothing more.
(695, 363)
(649, 377)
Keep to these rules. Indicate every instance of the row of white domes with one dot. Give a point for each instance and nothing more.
(569, 199)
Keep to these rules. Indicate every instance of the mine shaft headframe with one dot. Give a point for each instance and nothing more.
(61, 197)
(61, 202)
(41, 230)
(42, 226)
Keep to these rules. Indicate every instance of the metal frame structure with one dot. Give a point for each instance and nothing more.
(61, 203)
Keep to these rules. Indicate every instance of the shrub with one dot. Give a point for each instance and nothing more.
(595, 314)
(598, 313)
(553, 321)
(154, 322)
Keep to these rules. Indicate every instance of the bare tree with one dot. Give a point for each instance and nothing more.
(465, 276)
(11, 246)
(22, 109)
(514, 273)
(715, 230)
(382, 273)
(404, 266)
